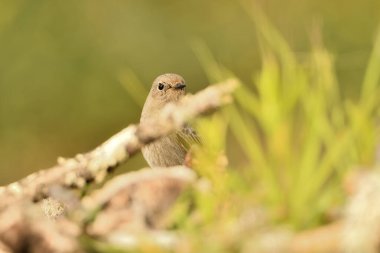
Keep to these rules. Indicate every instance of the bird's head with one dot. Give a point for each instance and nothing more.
(166, 88)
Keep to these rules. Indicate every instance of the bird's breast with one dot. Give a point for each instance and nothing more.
(165, 152)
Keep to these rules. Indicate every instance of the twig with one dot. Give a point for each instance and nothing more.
(137, 200)
(94, 165)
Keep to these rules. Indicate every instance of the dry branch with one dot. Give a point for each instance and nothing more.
(136, 201)
(94, 165)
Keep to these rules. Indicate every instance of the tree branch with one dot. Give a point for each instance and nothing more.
(94, 165)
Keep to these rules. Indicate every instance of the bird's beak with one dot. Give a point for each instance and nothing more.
(179, 86)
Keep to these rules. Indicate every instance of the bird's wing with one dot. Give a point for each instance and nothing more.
(187, 137)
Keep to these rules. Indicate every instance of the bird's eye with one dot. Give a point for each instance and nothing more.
(161, 86)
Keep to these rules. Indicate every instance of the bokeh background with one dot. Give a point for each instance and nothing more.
(65, 65)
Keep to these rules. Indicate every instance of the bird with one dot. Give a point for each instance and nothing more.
(169, 150)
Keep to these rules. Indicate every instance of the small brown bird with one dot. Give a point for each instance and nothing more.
(172, 149)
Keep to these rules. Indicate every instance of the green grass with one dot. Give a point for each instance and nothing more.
(294, 135)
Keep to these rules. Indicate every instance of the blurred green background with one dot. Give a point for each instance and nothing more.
(64, 65)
